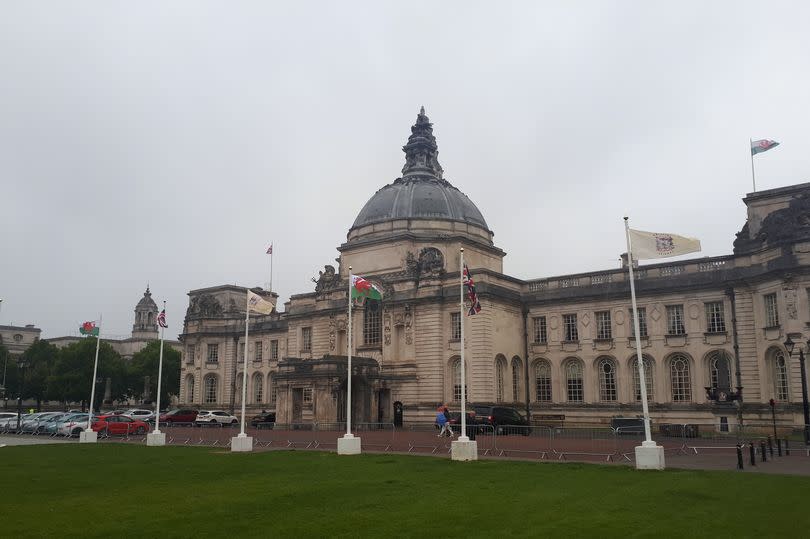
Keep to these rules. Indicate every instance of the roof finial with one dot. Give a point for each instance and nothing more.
(422, 110)
(421, 151)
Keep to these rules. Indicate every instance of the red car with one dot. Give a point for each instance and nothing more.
(182, 415)
(119, 424)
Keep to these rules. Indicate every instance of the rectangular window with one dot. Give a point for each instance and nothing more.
(570, 327)
(771, 311)
(372, 323)
(307, 395)
(257, 351)
(715, 318)
(306, 339)
(540, 331)
(642, 322)
(191, 352)
(273, 391)
(604, 329)
(274, 349)
(213, 353)
(241, 356)
(675, 320)
(455, 326)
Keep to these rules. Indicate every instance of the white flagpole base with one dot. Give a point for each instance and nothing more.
(88, 437)
(649, 456)
(348, 445)
(242, 443)
(463, 449)
(156, 438)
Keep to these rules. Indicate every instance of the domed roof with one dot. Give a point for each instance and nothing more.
(146, 303)
(421, 193)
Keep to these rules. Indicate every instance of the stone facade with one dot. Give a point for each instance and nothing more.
(557, 345)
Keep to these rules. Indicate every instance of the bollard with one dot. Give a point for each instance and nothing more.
(779, 447)
(751, 450)
(764, 453)
(770, 446)
(739, 457)
(787, 446)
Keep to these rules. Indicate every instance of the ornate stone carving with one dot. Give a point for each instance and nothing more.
(387, 327)
(326, 280)
(332, 333)
(429, 262)
(791, 300)
(203, 306)
(789, 224)
(408, 323)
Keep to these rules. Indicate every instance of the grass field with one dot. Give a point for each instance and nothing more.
(118, 490)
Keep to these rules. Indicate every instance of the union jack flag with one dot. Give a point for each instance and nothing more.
(161, 319)
(475, 305)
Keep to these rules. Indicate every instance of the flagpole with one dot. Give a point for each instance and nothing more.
(95, 371)
(245, 367)
(349, 364)
(639, 357)
(753, 175)
(271, 267)
(160, 378)
(463, 435)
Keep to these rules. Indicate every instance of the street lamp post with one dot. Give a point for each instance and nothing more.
(789, 344)
(21, 368)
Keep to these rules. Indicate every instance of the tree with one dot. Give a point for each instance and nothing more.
(145, 363)
(72, 374)
(5, 358)
(39, 360)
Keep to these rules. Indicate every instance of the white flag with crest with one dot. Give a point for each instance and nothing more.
(259, 304)
(647, 245)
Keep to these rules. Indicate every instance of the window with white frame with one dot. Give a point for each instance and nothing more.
(210, 389)
(675, 320)
(542, 381)
(307, 395)
(274, 349)
(719, 365)
(604, 329)
(570, 327)
(607, 379)
(273, 389)
(455, 326)
(780, 377)
(680, 378)
(715, 318)
(257, 351)
(649, 377)
(372, 323)
(771, 311)
(573, 381)
(190, 353)
(540, 331)
(500, 375)
(213, 353)
(306, 339)
(517, 367)
(257, 388)
(642, 322)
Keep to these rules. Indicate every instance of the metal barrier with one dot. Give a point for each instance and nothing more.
(584, 442)
(522, 439)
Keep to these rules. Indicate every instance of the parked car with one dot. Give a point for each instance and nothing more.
(32, 422)
(180, 415)
(119, 424)
(137, 413)
(264, 420)
(504, 419)
(216, 416)
(73, 426)
(48, 424)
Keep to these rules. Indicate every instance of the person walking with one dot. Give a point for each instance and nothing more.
(442, 420)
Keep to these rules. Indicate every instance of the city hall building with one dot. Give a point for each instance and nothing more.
(712, 329)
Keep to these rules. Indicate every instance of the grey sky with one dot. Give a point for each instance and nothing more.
(169, 142)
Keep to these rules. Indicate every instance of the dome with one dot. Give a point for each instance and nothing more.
(146, 303)
(421, 193)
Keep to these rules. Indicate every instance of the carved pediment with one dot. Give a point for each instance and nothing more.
(204, 306)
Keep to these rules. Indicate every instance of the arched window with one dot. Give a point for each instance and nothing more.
(649, 377)
(720, 370)
(780, 377)
(456, 374)
(542, 380)
(190, 388)
(372, 322)
(500, 375)
(210, 389)
(517, 368)
(573, 381)
(257, 388)
(680, 378)
(607, 379)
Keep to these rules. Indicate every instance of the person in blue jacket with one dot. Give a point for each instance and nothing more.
(442, 421)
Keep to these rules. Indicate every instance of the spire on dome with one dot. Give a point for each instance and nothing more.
(421, 151)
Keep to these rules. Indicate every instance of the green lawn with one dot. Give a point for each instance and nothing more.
(117, 490)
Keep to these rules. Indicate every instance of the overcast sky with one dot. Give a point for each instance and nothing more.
(169, 143)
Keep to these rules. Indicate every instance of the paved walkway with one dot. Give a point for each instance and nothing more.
(30, 440)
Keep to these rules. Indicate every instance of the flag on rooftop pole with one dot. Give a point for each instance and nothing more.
(648, 245)
(759, 146)
(467, 281)
(270, 252)
(270, 249)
